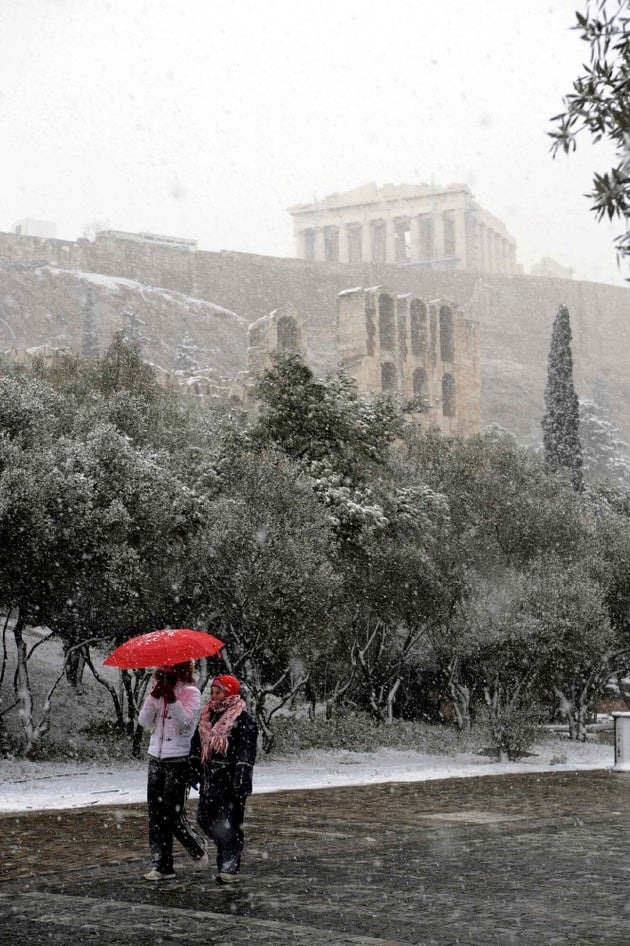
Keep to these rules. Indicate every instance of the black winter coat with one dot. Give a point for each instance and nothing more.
(230, 776)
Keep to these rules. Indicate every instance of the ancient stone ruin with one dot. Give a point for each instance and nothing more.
(423, 225)
(408, 347)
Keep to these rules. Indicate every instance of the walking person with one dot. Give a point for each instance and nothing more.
(171, 711)
(228, 736)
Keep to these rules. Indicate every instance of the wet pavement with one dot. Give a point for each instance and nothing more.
(527, 859)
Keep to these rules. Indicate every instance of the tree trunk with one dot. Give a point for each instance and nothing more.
(131, 725)
(23, 691)
(75, 666)
(391, 697)
(460, 697)
(118, 709)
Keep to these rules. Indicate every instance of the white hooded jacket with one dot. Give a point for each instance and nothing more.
(173, 724)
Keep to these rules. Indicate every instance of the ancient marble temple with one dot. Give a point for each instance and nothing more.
(424, 225)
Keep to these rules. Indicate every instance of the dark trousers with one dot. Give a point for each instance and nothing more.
(222, 820)
(166, 798)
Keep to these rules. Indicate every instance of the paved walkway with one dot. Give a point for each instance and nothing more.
(528, 859)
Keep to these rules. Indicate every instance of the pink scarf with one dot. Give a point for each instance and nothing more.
(214, 737)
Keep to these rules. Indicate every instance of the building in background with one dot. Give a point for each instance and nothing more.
(390, 343)
(423, 225)
(155, 239)
(36, 228)
(549, 267)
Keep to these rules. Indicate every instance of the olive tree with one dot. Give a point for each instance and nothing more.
(599, 105)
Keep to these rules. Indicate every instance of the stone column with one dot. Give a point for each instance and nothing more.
(492, 250)
(416, 248)
(512, 258)
(343, 243)
(300, 245)
(497, 253)
(461, 249)
(492, 265)
(366, 242)
(500, 254)
(320, 249)
(438, 235)
(390, 240)
(483, 248)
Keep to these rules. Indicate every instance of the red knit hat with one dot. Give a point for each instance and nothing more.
(229, 685)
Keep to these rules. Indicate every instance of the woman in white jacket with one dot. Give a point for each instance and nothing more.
(171, 711)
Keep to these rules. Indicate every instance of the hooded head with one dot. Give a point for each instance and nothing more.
(229, 685)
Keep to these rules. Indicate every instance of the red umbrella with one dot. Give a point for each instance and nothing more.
(163, 648)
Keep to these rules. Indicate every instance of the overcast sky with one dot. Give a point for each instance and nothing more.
(208, 118)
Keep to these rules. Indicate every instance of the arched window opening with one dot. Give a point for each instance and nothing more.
(388, 377)
(447, 345)
(418, 328)
(433, 336)
(420, 383)
(370, 325)
(386, 322)
(402, 305)
(448, 395)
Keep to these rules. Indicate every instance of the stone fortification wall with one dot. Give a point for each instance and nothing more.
(43, 305)
(515, 313)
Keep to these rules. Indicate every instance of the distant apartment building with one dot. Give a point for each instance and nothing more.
(423, 225)
(36, 228)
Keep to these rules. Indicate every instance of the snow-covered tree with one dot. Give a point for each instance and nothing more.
(44, 527)
(561, 420)
(185, 359)
(575, 640)
(604, 453)
(600, 105)
(130, 326)
(261, 578)
(313, 420)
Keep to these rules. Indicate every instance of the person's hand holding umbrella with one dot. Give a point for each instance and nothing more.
(165, 684)
(158, 690)
(168, 693)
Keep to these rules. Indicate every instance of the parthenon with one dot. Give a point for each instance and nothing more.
(422, 225)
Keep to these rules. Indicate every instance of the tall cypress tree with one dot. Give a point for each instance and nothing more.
(561, 420)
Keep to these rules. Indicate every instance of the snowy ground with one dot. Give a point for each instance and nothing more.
(31, 786)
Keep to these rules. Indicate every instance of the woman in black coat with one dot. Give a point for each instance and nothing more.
(228, 751)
